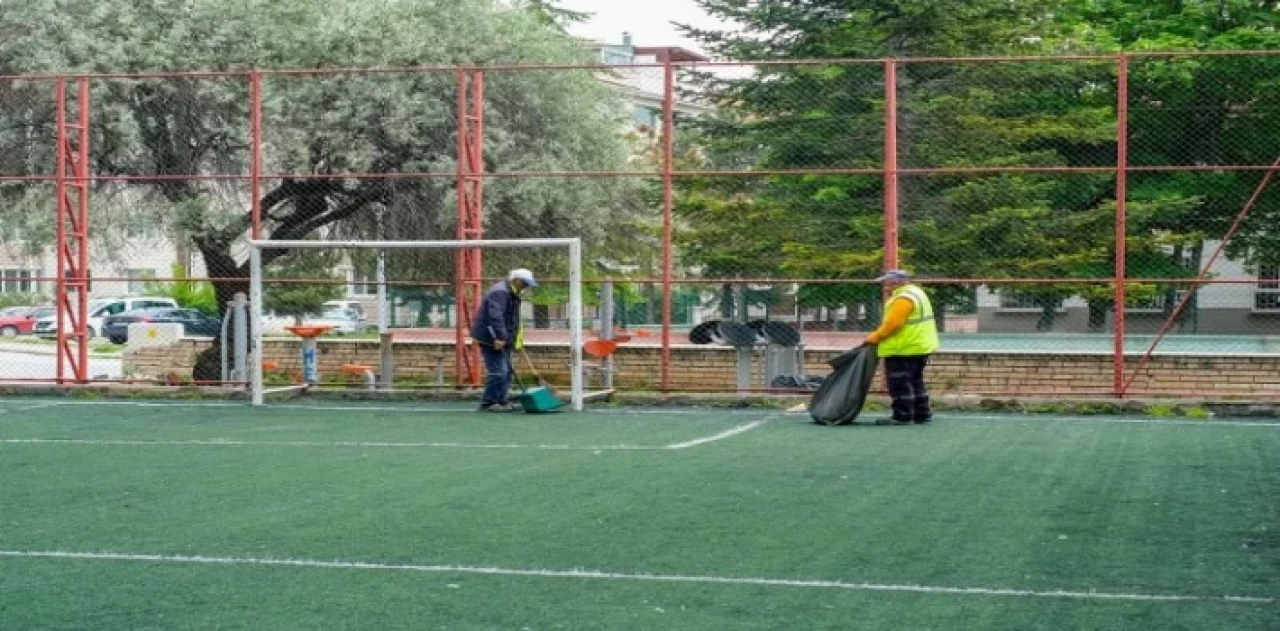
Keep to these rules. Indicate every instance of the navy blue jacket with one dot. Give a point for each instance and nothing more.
(498, 317)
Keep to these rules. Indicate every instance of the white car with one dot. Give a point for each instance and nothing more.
(100, 308)
(341, 320)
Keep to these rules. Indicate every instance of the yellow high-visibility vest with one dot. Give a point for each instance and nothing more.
(919, 336)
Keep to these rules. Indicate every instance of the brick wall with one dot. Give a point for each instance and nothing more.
(703, 368)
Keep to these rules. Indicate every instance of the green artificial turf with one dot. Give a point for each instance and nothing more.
(1038, 505)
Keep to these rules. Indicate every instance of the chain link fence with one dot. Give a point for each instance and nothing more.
(1030, 197)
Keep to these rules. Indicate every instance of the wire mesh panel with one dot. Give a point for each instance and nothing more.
(376, 123)
(701, 192)
(423, 327)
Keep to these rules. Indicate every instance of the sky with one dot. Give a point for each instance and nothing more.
(648, 21)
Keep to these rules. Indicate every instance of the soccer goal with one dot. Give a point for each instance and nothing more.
(386, 315)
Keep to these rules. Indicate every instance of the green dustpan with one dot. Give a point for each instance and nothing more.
(537, 400)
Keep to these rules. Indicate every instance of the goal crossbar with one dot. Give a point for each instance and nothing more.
(572, 245)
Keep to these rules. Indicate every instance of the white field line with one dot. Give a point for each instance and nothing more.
(1117, 420)
(943, 418)
(352, 408)
(660, 578)
(357, 444)
(721, 436)
(24, 408)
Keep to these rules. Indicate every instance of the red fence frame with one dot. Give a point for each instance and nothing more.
(73, 178)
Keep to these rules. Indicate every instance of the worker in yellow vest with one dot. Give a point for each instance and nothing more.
(907, 336)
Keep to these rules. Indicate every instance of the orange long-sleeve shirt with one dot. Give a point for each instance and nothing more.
(899, 312)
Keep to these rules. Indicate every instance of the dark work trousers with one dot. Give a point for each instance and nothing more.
(498, 382)
(907, 388)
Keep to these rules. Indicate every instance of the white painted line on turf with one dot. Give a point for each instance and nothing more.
(680, 412)
(662, 578)
(1118, 420)
(945, 419)
(154, 404)
(713, 438)
(340, 444)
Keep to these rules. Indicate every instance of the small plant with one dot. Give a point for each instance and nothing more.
(21, 300)
(1197, 412)
(1160, 410)
(190, 294)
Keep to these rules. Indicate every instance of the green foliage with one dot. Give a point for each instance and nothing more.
(190, 294)
(1183, 111)
(21, 300)
(318, 125)
(302, 299)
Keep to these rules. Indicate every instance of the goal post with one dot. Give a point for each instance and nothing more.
(574, 310)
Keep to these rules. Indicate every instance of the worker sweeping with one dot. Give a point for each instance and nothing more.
(907, 336)
(496, 328)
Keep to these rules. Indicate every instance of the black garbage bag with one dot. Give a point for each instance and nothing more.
(806, 382)
(840, 398)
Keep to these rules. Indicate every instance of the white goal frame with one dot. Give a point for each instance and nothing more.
(573, 245)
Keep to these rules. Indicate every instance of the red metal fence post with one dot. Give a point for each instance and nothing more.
(891, 164)
(255, 149)
(668, 215)
(470, 192)
(1122, 183)
(72, 234)
(60, 237)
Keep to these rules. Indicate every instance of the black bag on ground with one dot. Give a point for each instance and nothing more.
(841, 396)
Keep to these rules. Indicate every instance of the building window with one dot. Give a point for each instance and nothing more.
(138, 279)
(18, 281)
(1157, 303)
(362, 283)
(1019, 301)
(1267, 296)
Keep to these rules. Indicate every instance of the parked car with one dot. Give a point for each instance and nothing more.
(194, 323)
(342, 320)
(338, 305)
(99, 309)
(22, 320)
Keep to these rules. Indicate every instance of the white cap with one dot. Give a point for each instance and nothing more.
(523, 275)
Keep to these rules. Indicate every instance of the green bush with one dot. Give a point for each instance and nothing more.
(189, 294)
(21, 300)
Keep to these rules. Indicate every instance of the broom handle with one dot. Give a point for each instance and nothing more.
(532, 369)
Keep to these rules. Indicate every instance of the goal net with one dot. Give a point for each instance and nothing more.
(380, 317)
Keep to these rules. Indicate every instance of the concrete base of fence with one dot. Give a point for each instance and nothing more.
(714, 369)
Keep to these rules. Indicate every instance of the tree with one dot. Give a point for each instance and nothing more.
(302, 299)
(549, 13)
(1046, 114)
(800, 117)
(318, 126)
(1197, 110)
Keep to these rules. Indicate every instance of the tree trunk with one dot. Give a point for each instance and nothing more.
(1048, 313)
(1098, 315)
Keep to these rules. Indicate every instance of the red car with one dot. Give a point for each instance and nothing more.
(21, 320)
